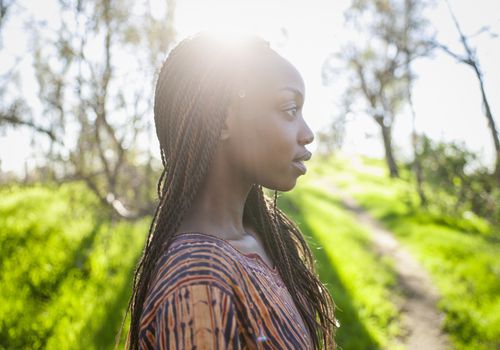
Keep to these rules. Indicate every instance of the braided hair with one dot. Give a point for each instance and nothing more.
(193, 91)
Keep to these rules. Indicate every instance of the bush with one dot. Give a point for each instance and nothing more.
(456, 184)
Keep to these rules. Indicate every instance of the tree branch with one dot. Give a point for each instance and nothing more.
(12, 119)
(456, 56)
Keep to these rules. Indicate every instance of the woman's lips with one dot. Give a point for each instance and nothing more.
(300, 166)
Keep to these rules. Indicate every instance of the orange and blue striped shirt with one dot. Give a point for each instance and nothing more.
(206, 294)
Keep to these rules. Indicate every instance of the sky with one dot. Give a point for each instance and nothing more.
(446, 94)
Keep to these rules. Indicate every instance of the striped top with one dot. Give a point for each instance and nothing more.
(206, 294)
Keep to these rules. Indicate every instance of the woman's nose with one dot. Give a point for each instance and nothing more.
(306, 135)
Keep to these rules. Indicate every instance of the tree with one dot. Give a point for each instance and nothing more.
(95, 67)
(469, 57)
(377, 61)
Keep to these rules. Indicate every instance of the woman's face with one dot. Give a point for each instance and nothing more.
(266, 130)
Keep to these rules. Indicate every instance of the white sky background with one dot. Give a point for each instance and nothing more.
(447, 98)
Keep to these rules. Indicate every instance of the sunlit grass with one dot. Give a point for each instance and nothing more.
(360, 282)
(65, 271)
(459, 252)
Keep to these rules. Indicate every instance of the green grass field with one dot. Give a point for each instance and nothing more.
(360, 282)
(461, 254)
(66, 271)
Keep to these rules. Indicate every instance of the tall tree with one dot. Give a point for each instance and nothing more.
(377, 62)
(469, 57)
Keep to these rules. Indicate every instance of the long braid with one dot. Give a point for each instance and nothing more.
(191, 98)
(306, 273)
(303, 283)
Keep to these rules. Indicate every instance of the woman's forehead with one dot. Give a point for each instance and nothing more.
(273, 73)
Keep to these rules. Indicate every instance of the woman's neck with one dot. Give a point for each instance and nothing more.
(219, 204)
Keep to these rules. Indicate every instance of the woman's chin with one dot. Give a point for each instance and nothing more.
(284, 186)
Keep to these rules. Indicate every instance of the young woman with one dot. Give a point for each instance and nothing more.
(223, 267)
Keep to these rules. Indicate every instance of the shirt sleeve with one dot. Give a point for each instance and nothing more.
(199, 316)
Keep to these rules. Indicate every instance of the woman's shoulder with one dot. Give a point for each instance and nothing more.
(196, 259)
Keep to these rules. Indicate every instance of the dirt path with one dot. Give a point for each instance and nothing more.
(421, 319)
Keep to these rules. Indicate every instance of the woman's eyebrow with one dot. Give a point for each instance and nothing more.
(292, 89)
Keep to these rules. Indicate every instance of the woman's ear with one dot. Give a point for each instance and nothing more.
(224, 134)
(226, 127)
(233, 112)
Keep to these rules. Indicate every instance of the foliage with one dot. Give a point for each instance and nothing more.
(456, 185)
(459, 251)
(65, 270)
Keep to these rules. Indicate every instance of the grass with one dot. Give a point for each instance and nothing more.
(65, 271)
(360, 282)
(459, 253)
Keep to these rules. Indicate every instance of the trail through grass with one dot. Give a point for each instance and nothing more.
(460, 253)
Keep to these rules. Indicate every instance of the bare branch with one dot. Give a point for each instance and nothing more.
(12, 119)
(481, 31)
(456, 56)
(4, 8)
(463, 38)
(474, 63)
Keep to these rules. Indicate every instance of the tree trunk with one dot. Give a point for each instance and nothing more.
(417, 168)
(389, 157)
(491, 122)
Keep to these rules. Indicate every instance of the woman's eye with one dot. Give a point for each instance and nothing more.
(291, 111)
